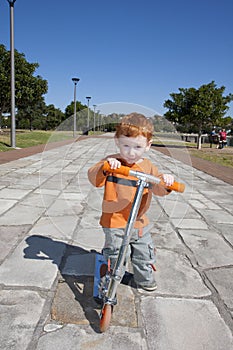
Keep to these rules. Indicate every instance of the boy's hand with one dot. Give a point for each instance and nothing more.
(114, 163)
(168, 179)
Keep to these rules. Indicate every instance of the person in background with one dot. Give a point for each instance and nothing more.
(212, 137)
(222, 138)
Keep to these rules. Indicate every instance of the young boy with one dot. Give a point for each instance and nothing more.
(133, 137)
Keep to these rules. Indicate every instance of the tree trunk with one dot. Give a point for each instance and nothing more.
(199, 141)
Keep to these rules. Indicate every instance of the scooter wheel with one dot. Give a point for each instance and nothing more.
(105, 319)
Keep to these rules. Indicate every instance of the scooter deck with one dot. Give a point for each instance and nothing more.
(101, 267)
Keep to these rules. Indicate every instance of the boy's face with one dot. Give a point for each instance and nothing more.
(132, 148)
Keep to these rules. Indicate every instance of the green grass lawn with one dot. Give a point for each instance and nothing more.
(219, 156)
(27, 138)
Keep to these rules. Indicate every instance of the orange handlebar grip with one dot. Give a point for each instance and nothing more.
(123, 170)
(176, 186)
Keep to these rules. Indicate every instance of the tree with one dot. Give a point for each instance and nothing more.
(198, 109)
(161, 124)
(54, 117)
(4, 81)
(81, 115)
(32, 117)
(29, 89)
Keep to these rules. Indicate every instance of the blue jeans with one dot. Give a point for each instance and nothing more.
(141, 252)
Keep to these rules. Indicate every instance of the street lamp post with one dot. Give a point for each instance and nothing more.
(94, 118)
(98, 113)
(11, 3)
(75, 80)
(88, 121)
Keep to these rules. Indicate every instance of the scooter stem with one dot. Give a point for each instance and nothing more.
(118, 270)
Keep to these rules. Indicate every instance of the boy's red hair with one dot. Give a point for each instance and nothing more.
(133, 125)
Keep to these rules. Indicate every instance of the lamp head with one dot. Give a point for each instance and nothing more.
(11, 2)
(88, 97)
(75, 80)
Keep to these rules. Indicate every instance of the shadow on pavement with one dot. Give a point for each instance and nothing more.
(76, 266)
(171, 146)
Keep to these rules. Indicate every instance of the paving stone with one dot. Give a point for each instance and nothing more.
(62, 207)
(20, 312)
(203, 204)
(184, 223)
(226, 230)
(209, 248)
(218, 216)
(181, 324)
(89, 238)
(217, 196)
(68, 194)
(6, 204)
(74, 337)
(31, 181)
(38, 200)
(57, 227)
(45, 191)
(13, 193)
(34, 263)
(9, 236)
(94, 200)
(90, 218)
(164, 236)
(156, 212)
(74, 303)
(175, 276)
(178, 209)
(229, 207)
(21, 215)
(222, 280)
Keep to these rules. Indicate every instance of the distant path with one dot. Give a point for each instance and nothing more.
(221, 172)
(15, 154)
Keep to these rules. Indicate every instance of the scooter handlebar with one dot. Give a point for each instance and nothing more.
(126, 171)
(176, 186)
(123, 170)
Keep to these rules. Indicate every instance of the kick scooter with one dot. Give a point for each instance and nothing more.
(110, 280)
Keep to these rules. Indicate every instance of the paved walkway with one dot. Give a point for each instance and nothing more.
(217, 170)
(50, 238)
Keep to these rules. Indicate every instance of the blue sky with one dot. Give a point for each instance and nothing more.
(130, 51)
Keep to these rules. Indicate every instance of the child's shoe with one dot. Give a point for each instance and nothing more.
(148, 287)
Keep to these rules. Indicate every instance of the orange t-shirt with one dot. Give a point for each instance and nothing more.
(119, 193)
